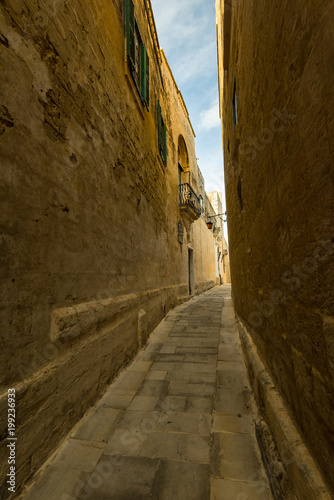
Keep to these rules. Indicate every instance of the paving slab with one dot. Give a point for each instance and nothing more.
(199, 367)
(177, 423)
(230, 352)
(98, 425)
(228, 337)
(170, 358)
(229, 489)
(200, 358)
(169, 349)
(171, 445)
(144, 403)
(210, 343)
(163, 366)
(154, 388)
(181, 480)
(78, 454)
(187, 350)
(156, 375)
(235, 456)
(198, 405)
(208, 350)
(72, 482)
(142, 366)
(198, 448)
(232, 379)
(235, 423)
(153, 345)
(139, 420)
(147, 356)
(130, 380)
(117, 400)
(192, 377)
(125, 442)
(180, 388)
(172, 404)
(205, 423)
(191, 343)
(232, 400)
(132, 478)
(232, 365)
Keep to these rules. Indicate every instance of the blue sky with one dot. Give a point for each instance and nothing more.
(187, 34)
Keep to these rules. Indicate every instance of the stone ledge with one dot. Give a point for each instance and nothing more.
(303, 474)
(203, 286)
(80, 319)
(70, 383)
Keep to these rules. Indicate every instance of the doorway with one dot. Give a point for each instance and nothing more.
(191, 270)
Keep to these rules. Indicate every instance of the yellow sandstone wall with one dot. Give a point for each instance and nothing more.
(90, 258)
(279, 191)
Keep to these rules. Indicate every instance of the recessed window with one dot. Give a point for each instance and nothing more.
(180, 232)
(137, 56)
(235, 104)
(137, 64)
(162, 131)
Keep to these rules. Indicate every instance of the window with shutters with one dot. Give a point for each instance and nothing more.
(201, 203)
(137, 56)
(137, 66)
(162, 131)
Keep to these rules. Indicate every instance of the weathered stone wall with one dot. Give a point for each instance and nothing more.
(90, 258)
(196, 235)
(280, 199)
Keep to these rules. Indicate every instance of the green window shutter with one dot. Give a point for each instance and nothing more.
(130, 30)
(164, 145)
(159, 126)
(143, 58)
(127, 20)
(147, 80)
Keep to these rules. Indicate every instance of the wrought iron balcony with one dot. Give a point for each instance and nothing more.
(189, 202)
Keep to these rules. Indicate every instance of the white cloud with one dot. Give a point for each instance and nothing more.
(186, 31)
(209, 118)
(196, 64)
(183, 27)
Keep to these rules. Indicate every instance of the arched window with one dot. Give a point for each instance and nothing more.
(183, 161)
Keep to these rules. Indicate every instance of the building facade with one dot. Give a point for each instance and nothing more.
(276, 78)
(222, 259)
(101, 226)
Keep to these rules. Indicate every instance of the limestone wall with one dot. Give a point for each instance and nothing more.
(90, 257)
(279, 191)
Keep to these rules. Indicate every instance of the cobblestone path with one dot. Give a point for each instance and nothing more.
(175, 425)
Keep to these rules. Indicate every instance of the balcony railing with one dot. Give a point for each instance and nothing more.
(189, 201)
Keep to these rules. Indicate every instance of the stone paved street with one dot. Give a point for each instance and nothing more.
(175, 425)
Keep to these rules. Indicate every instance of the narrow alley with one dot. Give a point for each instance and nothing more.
(166, 250)
(176, 423)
